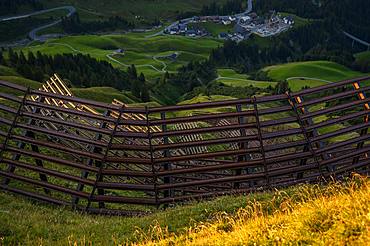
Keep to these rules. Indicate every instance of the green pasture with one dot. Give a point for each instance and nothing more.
(231, 78)
(325, 70)
(140, 50)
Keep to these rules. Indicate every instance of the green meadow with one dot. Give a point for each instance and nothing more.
(311, 73)
(149, 54)
(231, 78)
(363, 57)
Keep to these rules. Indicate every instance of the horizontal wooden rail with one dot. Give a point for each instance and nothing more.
(114, 159)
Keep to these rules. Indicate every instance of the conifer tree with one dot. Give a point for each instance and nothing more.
(2, 62)
(145, 96)
(135, 88)
(142, 78)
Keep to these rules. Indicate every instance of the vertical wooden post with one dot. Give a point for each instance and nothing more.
(361, 96)
(166, 154)
(331, 168)
(260, 138)
(154, 170)
(11, 168)
(242, 145)
(99, 175)
(90, 161)
(305, 134)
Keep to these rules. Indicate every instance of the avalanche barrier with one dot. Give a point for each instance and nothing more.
(114, 159)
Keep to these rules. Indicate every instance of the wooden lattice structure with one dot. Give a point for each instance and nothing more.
(115, 159)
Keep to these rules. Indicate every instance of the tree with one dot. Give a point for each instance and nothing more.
(135, 88)
(282, 87)
(31, 59)
(132, 73)
(2, 62)
(142, 78)
(22, 59)
(145, 96)
(13, 57)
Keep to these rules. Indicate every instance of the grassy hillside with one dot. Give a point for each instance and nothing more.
(232, 78)
(214, 28)
(331, 216)
(363, 56)
(316, 72)
(308, 214)
(148, 54)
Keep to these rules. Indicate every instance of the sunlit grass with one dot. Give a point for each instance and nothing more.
(313, 215)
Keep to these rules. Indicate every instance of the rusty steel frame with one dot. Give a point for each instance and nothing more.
(113, 159)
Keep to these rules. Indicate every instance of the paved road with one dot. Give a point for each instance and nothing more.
(33, 34)
(71, 10)
(357, 39)
(308, 78)
(248, 10)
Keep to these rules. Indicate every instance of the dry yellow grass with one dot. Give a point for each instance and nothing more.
(338, 214)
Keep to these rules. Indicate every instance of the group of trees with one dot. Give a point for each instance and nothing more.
(2, 60)
(73, 24)
(303, 8)
(139, 88)
(195, 74)
(12, 6)
(315, 40)
(228, 8)
(349, 15)
(81, 70)
(216, 88)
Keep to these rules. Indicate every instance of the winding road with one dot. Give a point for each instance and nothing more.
(308, 78)
(33, 33)
(111, 58)
(367, 44)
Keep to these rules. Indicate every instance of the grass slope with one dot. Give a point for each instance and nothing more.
(144, 52)
(331, 216)
(363, 57)
(232, 78)
(214, 28)
(309, 214)
(323, 70)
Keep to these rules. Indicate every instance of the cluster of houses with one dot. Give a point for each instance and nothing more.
(225, 20)
(245, 25)
(186, 30)
(264, 27)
